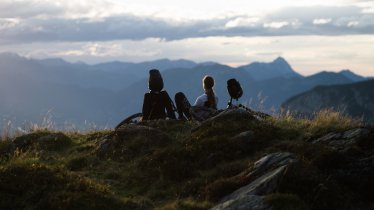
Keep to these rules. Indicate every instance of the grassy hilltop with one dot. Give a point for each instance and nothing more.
(183, 165)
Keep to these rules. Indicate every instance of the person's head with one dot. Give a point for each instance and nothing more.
(155, 82)
(208, 83)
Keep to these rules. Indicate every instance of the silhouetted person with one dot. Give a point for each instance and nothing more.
(157, 100)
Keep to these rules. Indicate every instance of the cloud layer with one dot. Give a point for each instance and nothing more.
(24, 21)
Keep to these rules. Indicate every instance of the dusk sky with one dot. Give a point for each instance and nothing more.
(312, 35)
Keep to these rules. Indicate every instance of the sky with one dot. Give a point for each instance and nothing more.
(311, 35)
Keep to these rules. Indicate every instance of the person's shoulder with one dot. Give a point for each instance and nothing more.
(202, 96)
(164, 93)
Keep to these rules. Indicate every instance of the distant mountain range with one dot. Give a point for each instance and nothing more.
(107, 92)
(356, 100)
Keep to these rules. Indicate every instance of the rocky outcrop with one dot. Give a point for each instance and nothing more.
(130, 140)
(267, 174)
(343, 140)
(227, 116)
(45, 141)
(246, 135)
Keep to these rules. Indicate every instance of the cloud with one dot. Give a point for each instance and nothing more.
(321, 21)
(242, 22)
(99, 26)
(276, 24)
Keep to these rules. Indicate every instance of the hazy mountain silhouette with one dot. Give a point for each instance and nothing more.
(263, 71)
(106, 93)
(356, 100)
(265, 94)
(352, 76)
(140, 70)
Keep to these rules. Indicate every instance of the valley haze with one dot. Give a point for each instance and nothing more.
(79, 95)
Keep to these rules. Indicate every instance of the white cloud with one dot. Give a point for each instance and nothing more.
(6, 23)
(242, 22)
(321, 21)
(353, 23)
(276, 24)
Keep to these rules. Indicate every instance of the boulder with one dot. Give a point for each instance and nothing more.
(342, 140)
(269, 170)
(6, 148)
(130, 140)
(231, 115)
(246, 135)
(227, 116)
(271, 161)
(42, 140)
(249, 202)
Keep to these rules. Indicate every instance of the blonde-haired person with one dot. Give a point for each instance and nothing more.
(205, 105)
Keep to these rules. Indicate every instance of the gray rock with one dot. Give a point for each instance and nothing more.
(129, 140)
(270, 171)
(6, 148)
(272, 161)
(47, 141)
(244, 139)
(250, 202)
(231, 115)
(355, 133)
(247, 135)
(227, 116)
(342, 140)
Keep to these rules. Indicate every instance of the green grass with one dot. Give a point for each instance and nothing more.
(180, 165)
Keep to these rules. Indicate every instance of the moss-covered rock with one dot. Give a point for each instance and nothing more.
(130, 141)
(42, 140)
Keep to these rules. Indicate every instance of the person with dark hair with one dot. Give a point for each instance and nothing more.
(157, 100)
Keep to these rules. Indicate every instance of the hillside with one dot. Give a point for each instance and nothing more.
(232, 161)
(356, 100)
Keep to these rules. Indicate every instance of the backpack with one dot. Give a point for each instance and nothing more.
(155, 82)
(234, 89)
(154, 106)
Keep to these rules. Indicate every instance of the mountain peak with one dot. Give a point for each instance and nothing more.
(280, 60)
(351, 75)
(277, 68)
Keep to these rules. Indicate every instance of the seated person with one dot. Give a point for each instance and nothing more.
(205, 105)
(157, 101)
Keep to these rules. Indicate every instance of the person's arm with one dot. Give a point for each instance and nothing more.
(146, 106)
(169, 106)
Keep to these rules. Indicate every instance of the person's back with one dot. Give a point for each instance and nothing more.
(205, 105)
(156, 101)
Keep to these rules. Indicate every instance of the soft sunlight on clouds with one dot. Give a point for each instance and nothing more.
(306, 54)
(321, 21)
(313, 35)
(242, 22)
(276, 24)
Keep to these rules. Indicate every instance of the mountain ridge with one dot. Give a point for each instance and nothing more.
(81, 86)
(355, 100)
